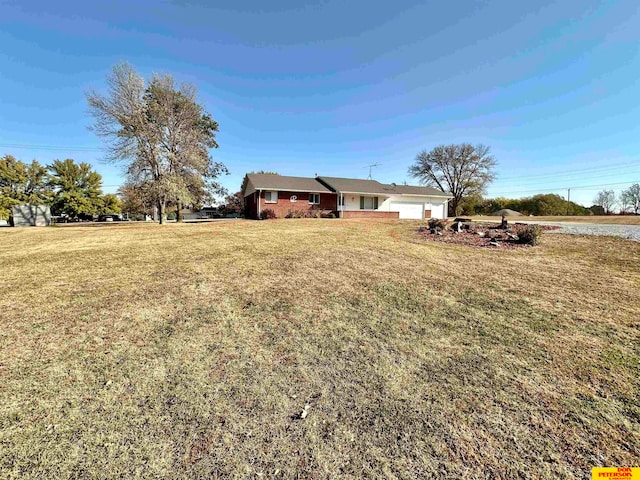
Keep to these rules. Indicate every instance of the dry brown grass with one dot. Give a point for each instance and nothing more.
(602, 219)
(190, 351)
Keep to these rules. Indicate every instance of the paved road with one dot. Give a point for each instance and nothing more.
(632, 232)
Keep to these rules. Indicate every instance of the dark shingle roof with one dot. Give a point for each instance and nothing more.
(353, 185)
(264, 181)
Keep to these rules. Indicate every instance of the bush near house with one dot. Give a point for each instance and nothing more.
(295, 214)
(313, 213)
(268, 214)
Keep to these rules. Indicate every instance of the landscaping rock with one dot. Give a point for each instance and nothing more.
(487, 236)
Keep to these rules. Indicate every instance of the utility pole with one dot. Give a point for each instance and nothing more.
(568, 200)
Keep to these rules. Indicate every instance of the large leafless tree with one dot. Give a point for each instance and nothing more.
(161, 133)
(607, 200)
(630, 199)
(461, 170)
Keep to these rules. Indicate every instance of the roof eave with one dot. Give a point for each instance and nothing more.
(301, 190)
(424, 195)
(365, 193)
(396, 194)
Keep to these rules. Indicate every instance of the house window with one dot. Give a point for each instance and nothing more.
(340, 200)
(368, 203)
(314, 198)
(270, 197)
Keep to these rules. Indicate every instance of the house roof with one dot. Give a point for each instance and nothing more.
(413, 190)
(265, 181)
(354, 185)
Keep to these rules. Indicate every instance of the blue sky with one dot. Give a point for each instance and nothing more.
(330, 87)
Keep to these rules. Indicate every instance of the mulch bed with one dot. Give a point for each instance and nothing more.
(494, 237)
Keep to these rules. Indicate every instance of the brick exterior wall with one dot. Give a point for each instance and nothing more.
(369, 214)
(284, 205)
(327, 204)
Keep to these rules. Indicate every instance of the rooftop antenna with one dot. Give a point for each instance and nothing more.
(370, 167)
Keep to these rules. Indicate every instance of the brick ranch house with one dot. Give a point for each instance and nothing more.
(345, 197)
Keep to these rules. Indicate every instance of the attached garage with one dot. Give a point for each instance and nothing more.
(438, 209)
(408, 210)
(416, 207)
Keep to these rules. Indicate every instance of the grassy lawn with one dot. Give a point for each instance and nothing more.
(191, 351)
(603, 219)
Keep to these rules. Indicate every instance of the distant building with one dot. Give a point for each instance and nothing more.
(31, 215)
(203, 213)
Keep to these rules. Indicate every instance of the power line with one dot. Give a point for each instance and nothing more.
(50, 147)
(606, 184)
(570, 172)
(583, 187)
(573, 178)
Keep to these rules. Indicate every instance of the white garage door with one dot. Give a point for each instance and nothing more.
(438, 210)
(408, 210)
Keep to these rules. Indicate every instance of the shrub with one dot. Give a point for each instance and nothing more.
(267, 214)
(295, 214)
(329, 215)
(314, 213)
(437, 223)
(529, 234)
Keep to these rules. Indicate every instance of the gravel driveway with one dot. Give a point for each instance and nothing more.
(632, 232)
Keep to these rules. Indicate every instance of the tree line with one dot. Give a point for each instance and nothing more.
(606, 202)
(71, 189)
(547, 204)
(627, 202)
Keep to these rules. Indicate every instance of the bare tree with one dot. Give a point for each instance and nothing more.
(160, 131)
(630, 199)
(606, 199)
(462, 170)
